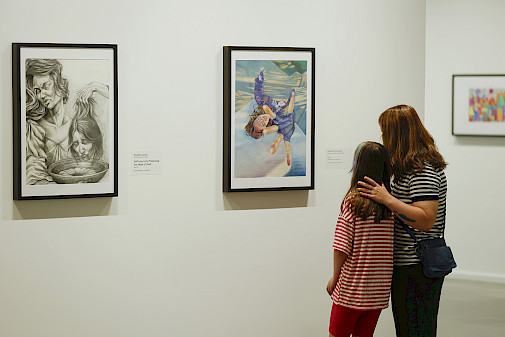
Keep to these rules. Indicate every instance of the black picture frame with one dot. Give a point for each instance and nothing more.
(284, 79)
(478, 105)
(65, 120)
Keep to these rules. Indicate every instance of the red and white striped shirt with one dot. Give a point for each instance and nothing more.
(365, 277)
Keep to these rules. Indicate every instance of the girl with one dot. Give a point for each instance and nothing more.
(272, 116)
(363, 250)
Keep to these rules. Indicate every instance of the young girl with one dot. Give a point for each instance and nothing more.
(363, 250)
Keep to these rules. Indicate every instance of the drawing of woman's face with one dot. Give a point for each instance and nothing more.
(43, 87)
(82, 146)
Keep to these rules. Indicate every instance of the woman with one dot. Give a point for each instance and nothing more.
(418, 199)
(48, 118)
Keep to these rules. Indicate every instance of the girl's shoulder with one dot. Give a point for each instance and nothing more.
(349, 198)
(346, 209)
(348, 202)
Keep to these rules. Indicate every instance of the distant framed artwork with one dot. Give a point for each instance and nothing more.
(65, 120)
(478, 105)
(268, 122)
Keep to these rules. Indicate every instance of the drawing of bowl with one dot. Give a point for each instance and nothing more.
(71, 171)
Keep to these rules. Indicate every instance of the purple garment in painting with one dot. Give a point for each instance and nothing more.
(285, 121)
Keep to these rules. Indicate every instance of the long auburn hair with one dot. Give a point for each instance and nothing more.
(371, 159)
(409, 144)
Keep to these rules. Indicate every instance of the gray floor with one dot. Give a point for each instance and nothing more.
(467, 309)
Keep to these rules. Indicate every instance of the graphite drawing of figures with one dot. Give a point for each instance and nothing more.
(56, 129)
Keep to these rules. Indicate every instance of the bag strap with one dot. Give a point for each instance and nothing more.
(409, 231)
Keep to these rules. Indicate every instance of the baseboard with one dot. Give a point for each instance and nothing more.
(473, 276)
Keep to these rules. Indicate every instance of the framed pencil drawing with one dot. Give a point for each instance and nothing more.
(268, 139)
(478, 105)
(65, 120)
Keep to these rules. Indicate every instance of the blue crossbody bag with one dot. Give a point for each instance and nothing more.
(436, 257)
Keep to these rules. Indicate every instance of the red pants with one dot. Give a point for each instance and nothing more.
(345, 321)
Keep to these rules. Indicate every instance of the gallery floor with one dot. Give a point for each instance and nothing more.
(467, 309)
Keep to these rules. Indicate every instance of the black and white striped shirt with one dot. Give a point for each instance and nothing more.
(427, 184)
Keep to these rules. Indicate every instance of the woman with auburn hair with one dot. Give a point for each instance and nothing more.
(417, 199)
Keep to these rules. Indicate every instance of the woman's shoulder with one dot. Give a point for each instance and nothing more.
(429, 174)
(432, 167)
(427, 169)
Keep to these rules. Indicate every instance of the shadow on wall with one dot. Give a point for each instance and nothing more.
(265, 200)
(479, 141)
(62, 208)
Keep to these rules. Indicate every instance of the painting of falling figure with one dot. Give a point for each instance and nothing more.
(268, 124)
(64, 141)
(270, 110)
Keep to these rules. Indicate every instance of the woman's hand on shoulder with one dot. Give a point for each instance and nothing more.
(420, 215)
(372, 190)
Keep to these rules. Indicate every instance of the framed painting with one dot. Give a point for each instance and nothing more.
(65, 120)
(268, 140)
(478, 105)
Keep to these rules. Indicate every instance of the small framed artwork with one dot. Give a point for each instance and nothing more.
(478, 105)
(65, 120)
(268, 140)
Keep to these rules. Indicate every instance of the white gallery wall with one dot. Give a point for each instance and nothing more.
(173, 255)
(463, 37)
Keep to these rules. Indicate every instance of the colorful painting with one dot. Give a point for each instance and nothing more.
(486, 105)
(478, 107)
(65, 114)
(270, 119)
